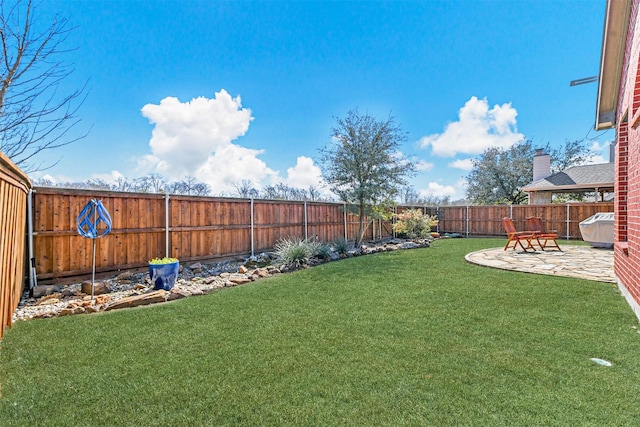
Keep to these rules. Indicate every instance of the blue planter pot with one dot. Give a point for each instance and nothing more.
(163, 276)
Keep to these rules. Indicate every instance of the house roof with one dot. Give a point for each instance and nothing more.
(577, 178)
(616, 25)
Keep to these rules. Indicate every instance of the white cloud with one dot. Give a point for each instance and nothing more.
(194, 138)
(58, 179)
(423, 166)
(596, 159)
(464, 164)
(437, 190)
(304, 174)
(596, 146)
(477, 129)
(230, 165)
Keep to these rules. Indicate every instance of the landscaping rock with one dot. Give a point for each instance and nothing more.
(133, 289)
(40, 291)
(102, 299)
(98, 289)
(69, 292)
(196, 268)
(261, 260)
(70, 311)
(49, 299)
(261, 272)
(124, 277)
(408, 245)
(138, 300)
(177, 294)
(239, 280)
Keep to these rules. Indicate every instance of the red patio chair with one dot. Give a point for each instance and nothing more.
(548, 238)
(517, 237)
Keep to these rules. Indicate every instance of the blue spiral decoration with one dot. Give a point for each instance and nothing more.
(94, 211)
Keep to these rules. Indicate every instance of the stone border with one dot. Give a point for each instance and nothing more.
(129, 290)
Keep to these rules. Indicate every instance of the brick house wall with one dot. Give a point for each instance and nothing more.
(627, 169)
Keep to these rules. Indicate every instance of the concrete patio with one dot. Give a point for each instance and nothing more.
(583, 262)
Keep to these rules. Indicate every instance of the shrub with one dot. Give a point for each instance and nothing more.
(340, 245)
(414, 224)
(320, 250)
(293, 249)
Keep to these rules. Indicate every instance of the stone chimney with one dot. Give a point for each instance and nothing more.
(541, 165)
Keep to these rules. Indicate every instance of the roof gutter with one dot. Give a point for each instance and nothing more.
(616, 25)
(572, 187)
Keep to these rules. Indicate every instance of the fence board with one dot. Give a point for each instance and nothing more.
(14, 189)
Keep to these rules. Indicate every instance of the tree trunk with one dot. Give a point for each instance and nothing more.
(360, 224)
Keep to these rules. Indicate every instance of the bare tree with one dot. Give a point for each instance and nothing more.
(95, 184)
(176, 187)
(43, 182)
(409, 195)
(34, 116)
(201, 189)
(314, 193)
(188, 185)
(142, 184)
(157, 182)
(270, 192)
(122, 184)
(246, 189)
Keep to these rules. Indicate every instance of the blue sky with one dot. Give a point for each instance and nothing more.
(225, 91)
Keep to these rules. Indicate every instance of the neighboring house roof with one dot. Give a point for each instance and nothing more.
(577, 178)
(616, 24)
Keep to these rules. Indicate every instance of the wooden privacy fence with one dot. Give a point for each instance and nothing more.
(14, 189)
(145, 226)
(474, 221)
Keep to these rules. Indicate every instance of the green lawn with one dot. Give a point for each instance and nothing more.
(414, 337)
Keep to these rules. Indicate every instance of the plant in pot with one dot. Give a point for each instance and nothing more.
(163, 272)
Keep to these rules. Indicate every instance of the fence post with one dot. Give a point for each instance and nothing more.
(438, 217)
(166, 225)
(393, 221)
(306, 235)
(511, 211)
(373, 229)
(346, 237)
(467, 222)
(252, 228)
(568, 221)
(33, 281)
